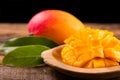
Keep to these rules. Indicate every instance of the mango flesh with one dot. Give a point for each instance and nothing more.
(54, 24)
(91, 48)
(112, 54)
(78, 57)
(100, 62)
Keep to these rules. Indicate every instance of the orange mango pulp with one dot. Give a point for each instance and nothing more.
(91, 48)
(100, 62)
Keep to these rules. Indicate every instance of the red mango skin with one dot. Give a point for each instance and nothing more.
(54, 24)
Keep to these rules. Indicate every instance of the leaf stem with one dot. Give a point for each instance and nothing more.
(1, 59)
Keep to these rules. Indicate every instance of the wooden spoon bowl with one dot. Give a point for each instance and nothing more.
(52, 57)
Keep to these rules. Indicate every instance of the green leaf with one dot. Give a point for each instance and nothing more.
(6, 49)
(25, 56)
(30, 40)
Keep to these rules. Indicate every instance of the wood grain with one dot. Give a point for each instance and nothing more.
(9, 30)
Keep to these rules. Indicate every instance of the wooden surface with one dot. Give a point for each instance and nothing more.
(10, 30)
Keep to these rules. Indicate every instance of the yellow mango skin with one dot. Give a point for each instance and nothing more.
(92, 48)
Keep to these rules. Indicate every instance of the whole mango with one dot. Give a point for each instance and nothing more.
(54, 24)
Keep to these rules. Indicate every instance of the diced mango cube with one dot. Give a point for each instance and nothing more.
(112, 54)
(91, 48)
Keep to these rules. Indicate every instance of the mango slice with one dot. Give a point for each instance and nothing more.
(100, 62)
(69, 57)
(91, 48)
(95, 63)
(109, 63)
(112, 54)
(78, 56)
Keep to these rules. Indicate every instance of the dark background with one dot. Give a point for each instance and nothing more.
(21, 11)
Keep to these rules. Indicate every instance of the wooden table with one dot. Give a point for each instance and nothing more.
(10, 30)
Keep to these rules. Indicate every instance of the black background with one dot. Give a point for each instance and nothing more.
(21, 11)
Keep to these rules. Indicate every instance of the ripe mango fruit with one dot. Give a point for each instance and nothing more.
(54, 24)
(91, 48)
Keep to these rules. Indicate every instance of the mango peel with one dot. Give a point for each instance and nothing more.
(54, 24)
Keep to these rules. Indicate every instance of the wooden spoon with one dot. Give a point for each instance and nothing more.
(52, 57)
